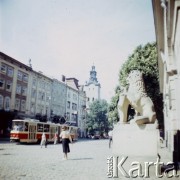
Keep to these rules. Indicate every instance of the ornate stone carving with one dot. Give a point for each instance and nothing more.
(136, 96)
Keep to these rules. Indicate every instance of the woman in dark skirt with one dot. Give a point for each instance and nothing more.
(65, 145)
(66, 139)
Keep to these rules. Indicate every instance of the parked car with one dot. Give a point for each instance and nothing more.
(96, 136)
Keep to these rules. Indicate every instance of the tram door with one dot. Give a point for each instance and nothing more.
(32, 132)
(53, 130)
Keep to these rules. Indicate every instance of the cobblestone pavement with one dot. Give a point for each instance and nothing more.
(87, 161)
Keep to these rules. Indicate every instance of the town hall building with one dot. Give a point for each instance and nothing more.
(92, 88)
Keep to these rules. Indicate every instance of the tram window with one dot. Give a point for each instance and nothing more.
(46, 128)
(72, 130)
(26, 126)
(40, 127)
(18, 126)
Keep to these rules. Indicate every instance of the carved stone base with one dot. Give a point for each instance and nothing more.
(140, 120)
(135, 140)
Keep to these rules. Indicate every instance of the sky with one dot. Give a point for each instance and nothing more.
(67, 37)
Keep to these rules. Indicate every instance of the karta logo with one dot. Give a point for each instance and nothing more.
(115, 167)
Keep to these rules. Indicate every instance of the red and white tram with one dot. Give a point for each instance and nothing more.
(30, 131)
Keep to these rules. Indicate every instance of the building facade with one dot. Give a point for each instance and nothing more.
(92, 88)
(32, 94)
(58, 100)
(82, 111)
(76, 105)
(167, 28)
(40, 95)
(14, 84)
(72, 100)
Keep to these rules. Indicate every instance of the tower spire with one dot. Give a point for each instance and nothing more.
(93, 73)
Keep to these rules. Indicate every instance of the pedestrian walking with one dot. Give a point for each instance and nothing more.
(66, 139)
(55, 138)
(110, 134)
(43, 140)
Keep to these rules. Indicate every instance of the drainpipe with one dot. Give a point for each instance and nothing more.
(163, 5)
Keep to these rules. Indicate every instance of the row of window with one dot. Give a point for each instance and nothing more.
(22, 76)
(24, 127)
(7, 85)
(74, 106)
(20, 104)
(73, 116)
(22, 90)
(88, 99)
(5, 69)
(5, 102)
(9, 71)
(43, 127)
(39, 108)
(42, 84)
(42, 96)
(75, 97)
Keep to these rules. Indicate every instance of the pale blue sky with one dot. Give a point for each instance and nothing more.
(68, 36)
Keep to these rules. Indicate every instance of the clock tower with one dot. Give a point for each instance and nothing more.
(92, 88)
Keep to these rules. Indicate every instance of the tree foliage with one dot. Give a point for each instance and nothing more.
(112, 108)
(144, 58)
(97, 117)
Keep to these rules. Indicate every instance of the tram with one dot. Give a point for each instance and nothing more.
(30, 131)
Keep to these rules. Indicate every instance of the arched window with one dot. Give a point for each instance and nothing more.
(7, 101)
(1, 102)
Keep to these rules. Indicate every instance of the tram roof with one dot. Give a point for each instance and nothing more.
(34, 120)
(26, 120)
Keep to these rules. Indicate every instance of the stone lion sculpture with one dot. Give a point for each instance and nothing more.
(136, 96)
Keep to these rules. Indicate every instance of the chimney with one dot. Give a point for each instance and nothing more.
(63, 78)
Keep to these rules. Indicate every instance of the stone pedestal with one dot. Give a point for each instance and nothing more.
(135, 140)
